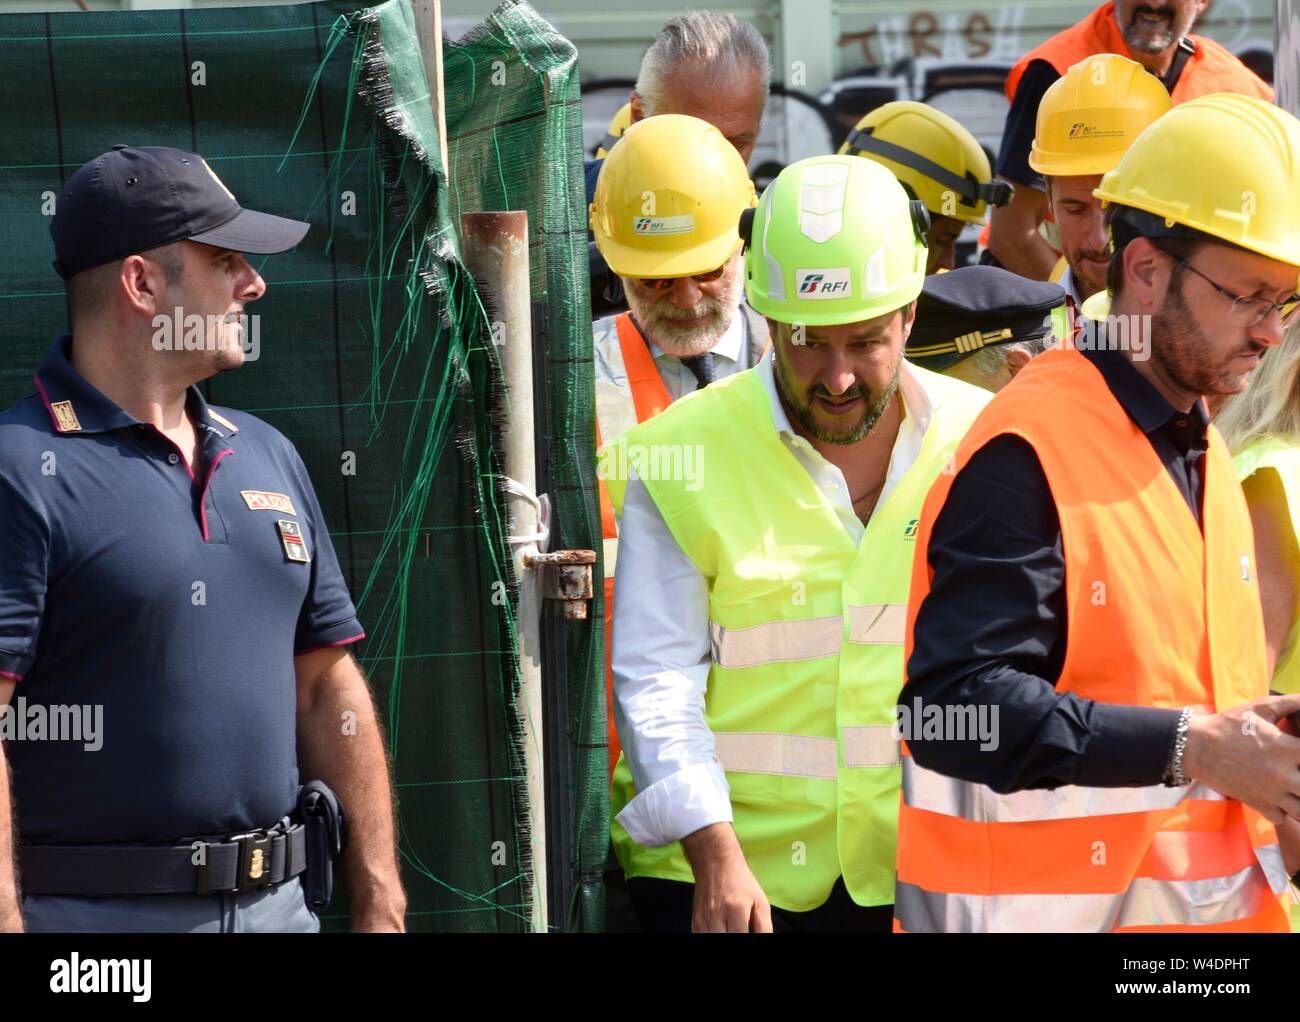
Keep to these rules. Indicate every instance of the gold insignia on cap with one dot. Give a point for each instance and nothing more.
(64, 417)
(219, 181)
(972, 341)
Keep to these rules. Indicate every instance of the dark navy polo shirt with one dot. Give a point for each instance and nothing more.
(168, 600)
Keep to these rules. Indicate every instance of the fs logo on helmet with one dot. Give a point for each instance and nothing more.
(664, 224)
(823, 284)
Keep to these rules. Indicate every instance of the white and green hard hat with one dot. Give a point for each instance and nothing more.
(834, 240)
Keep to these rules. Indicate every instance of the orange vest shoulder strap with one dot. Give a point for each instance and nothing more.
(1214, 68)
(649, 395)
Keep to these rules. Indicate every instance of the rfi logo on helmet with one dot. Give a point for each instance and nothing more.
(819, 284)
(1081, 130)
(664, 224)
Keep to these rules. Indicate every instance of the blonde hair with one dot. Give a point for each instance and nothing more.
(1270, 406)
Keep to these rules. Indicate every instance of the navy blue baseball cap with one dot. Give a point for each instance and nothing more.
(134, 198)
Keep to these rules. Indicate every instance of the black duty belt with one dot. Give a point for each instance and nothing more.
(232, 865)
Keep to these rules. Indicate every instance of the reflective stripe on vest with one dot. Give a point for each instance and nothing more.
(801, 692)
(770, 752)
(1218, 901)
(809, 639)
(1178, 623)
(947, 796)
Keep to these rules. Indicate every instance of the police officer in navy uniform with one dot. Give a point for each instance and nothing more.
(982, 324)
(165, 563)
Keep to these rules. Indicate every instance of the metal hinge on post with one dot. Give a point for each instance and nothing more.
(566, 576)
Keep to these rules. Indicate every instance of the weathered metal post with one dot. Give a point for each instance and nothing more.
(495, 248)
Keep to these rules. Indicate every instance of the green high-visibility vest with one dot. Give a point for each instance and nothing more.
(806, 629)
(1284, 459)
(1060, 323)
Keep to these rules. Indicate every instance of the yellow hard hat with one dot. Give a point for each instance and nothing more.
(935, 158)
(1223, 164)
(669, 198)
(615, 130)
(1091, 114)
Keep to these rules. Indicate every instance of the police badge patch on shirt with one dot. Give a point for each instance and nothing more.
(295, 549)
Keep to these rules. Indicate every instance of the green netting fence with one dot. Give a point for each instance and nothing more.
(377, 361)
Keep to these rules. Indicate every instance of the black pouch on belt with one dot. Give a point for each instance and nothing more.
(323, 823)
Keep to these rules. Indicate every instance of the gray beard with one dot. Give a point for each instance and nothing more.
(685, 343)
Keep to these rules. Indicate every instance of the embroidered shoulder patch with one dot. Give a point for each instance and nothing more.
(263, 500)
(65, 418)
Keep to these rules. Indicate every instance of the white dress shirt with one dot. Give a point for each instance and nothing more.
(1071, 286)
(730, 356)
(661, 657)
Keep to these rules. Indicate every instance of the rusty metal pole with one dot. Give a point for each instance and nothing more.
(1286, 55)
(495, 248)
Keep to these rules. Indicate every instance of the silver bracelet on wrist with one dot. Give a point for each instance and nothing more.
(1174, 776)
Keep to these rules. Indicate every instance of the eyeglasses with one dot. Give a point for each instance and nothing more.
(1248, 310)
(664, 283)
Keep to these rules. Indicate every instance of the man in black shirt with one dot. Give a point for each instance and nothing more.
(994, 631)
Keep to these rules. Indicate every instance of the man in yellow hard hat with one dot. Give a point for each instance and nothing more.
(665, 218)
(1086, 120)
(937, 161)
(1157, 34)
(1087, 569)
(702, 64)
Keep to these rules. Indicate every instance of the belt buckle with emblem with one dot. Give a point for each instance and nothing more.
(254, 862)
(295, 548)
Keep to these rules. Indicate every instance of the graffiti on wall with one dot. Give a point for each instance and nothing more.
(957, 60)
(952, 36)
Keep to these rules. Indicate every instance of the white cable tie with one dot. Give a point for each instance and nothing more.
(543, 534)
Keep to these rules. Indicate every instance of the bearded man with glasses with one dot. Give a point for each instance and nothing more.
(665, 218)
(1089, 571)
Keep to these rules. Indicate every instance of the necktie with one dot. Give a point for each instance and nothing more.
(702, 368)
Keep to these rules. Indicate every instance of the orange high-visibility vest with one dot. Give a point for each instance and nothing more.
(1159, 613)
(1210, 69)
(628, 390)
